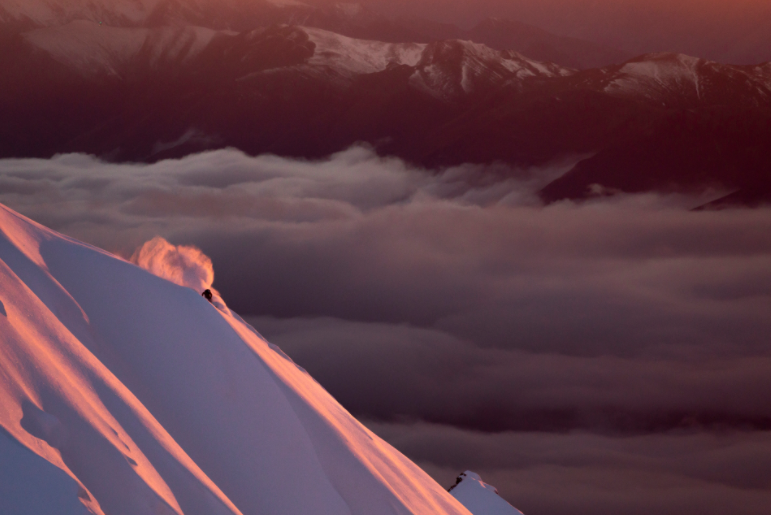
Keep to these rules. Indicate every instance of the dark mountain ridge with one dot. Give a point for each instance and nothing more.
(662, 122)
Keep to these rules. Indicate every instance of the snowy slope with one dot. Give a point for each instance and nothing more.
(137, 396)
(445, 70)
(479, 497)
(662, 77)
(30, 485)
(451, 69)
(349, 57)
(658, 74)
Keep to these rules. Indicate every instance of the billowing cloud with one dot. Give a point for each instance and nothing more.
(184, 265)
(454, 300)
(467, 251)
(408, 373)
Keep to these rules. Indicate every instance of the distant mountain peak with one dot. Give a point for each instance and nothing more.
(451, 69)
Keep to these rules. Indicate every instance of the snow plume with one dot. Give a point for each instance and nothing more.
(184, 265)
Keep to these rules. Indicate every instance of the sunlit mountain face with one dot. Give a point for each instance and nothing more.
(525, 240)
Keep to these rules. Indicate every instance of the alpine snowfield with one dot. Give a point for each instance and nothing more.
(132, 395)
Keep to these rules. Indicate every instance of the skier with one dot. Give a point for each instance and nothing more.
(207, 295)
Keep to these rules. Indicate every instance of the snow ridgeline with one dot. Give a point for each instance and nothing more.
(480, 497)
(131, 395)
(446, 70)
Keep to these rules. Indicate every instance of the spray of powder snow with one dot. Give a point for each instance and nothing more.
(181, 264)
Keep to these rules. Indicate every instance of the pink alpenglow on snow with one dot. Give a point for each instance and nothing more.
(479, 497)
(182, 265)
(123, 392)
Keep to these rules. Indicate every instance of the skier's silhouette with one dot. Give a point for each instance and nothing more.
(208, 295)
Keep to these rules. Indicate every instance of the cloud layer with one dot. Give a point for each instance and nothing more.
(451, 302)
(407, 373)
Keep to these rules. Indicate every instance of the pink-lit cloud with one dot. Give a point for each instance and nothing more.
(184, 265)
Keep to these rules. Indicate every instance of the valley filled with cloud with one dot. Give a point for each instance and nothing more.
(604, 355)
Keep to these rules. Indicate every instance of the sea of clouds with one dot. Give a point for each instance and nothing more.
(610, 353)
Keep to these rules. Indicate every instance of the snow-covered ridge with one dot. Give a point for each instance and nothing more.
(130, 394)
(479, 497)
(661, 75)
(657, 73)
(450, 69)
(446, 70)
(349, 57)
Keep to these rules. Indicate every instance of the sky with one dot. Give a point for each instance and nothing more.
(575, 13)
(735, 31)
(608, 356)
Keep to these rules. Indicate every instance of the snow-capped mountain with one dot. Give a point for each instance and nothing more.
(122, 392)
(350, 19)
(445, 70)
(167, 87)
(668, 77)
(351, 57)
(451, 69)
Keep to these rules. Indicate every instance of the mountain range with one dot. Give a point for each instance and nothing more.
(150, 80)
